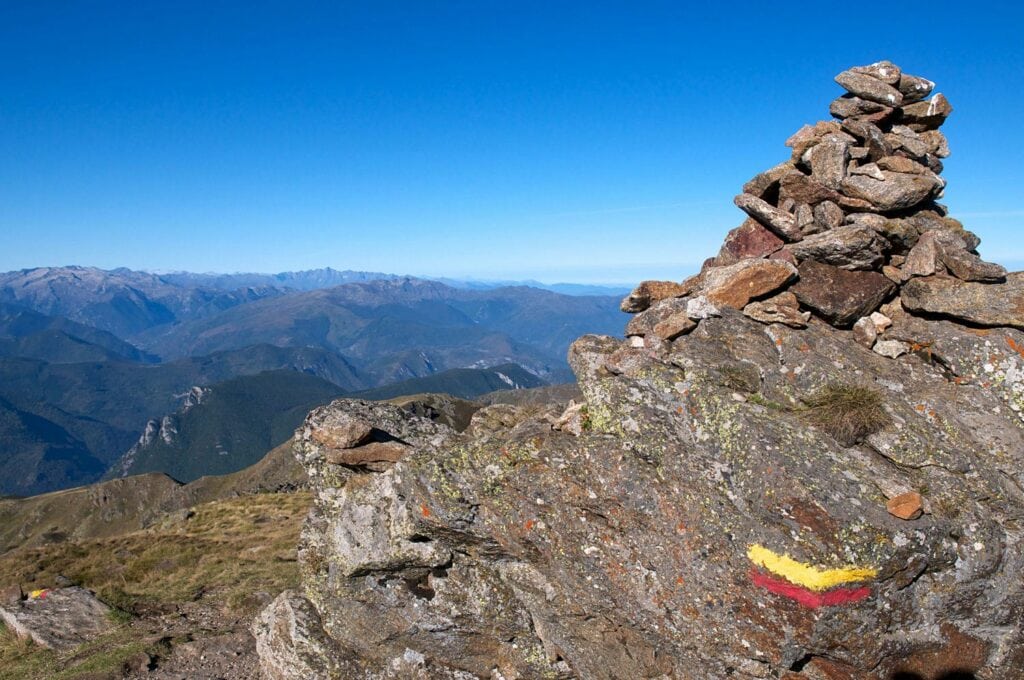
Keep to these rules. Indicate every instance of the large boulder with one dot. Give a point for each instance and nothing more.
(983, 304)
(894, 191)
(840, 296)
(59, 619)
(849, 247)
(736, 285)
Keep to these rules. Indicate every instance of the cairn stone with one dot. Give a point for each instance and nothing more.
(854, 212)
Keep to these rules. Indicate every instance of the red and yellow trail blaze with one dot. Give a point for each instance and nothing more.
(806, 584)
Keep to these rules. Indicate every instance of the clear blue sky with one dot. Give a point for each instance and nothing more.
(590, 141)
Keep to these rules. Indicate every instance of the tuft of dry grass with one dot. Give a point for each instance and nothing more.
(849, 413)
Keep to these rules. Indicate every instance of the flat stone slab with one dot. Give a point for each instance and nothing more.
(60, 619)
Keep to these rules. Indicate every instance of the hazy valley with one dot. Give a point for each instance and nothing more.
(98, 369)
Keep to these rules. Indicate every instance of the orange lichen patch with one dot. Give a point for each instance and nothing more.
(425, 510)
(1015, 346)
(804, 347)
(778, 342)
(680, 580)
(920, 408)
(529, 524)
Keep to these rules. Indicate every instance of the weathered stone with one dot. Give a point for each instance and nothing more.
(779, 221)
(923, 259)
(969, 267)
(898, 191)
(804, 215)
(782, 308)
(880, 320)
(572, 419)
(978, 303)
(750, 239)
(870, 220)
(649, 292)
(869, 169)
(865, 332)
(11, 595)
(907, 506)
(828, 162)
(785, 255)
(848, 247)
(828, 215)
(904, 139)
(675, 325)
(891, 348)
(869, 88)
(61, 619)
(914, 88)
(893, 273)
(804, 189)
(936, 141)
(368, 454)
(938, 247)
(901, 164)
(765, 184)
(859, 153)
(700, 307)
(343, 433)
(849, 106)
(933, 163)
(736, 285)
(838, 295)
(810, 134)
(901, 234)
(929, 115)
(886, 71)
(291, 641)
(643, 324)
(870, 136)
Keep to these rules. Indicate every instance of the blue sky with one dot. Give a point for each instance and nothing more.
(592, 141)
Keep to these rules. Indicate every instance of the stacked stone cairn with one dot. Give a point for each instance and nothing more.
(844, 230)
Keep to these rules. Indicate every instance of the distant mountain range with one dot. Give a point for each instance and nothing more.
(89, 359)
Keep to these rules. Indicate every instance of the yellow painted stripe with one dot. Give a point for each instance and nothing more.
(806, 575)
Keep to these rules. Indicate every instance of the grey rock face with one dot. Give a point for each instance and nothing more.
(869, 88)
(847, 247)
(61, 619)
(779, 221)
(979, 303)
(895, 191)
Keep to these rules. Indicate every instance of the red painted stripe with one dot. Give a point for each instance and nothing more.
(809, 598)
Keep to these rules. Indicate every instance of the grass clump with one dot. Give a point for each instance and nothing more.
(847, 412)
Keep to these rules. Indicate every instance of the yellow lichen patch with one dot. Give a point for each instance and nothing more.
(806, 575)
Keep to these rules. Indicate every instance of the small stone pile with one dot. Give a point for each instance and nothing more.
(846, 228)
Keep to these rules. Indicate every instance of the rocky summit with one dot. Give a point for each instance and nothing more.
(807, 461)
